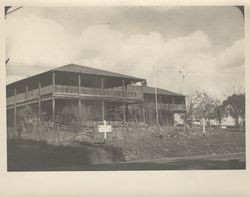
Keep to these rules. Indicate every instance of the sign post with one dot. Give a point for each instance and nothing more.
(104, 129)
(203, 122)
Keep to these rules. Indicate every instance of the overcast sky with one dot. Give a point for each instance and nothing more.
(206, 44)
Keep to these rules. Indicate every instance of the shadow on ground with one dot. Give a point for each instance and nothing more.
(29, 155)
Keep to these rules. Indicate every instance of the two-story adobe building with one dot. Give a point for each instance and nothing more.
(95, 89)
(72, 84)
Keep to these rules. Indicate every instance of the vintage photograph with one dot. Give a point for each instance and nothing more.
(115, 88)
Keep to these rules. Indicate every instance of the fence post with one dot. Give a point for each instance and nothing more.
(39, 100)
(58, 134)
(53, 97)
(15, 114)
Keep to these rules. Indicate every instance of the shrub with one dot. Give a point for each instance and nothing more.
(71, 113)
(26, 120)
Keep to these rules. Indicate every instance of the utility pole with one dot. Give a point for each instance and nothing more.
(182, 73)
(156, 99)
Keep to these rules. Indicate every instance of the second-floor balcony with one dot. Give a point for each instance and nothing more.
(60, 90)
(168, 107)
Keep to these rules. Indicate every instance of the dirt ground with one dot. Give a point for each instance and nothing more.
(127, 145)
(169, 142)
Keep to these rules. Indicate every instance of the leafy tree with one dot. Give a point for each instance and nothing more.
(235, 106)
(219, 113)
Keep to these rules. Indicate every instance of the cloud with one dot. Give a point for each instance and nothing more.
(35, 44)
(233, 56)
(35, 41)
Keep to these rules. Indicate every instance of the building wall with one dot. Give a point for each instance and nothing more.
(147, 113)
(165, 118)
(91, 110)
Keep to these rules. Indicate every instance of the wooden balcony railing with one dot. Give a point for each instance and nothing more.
(32, 94)
(10, 100)
(98, 91)
(46, 90)
(91, 91)
(177, 107)
(21, 97)
(169, 107)
(66, 89)
(163, 106)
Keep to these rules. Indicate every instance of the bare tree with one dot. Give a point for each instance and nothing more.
(200, 105)
(26, 120)
(72, 113)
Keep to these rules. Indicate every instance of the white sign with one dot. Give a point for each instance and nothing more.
(104, 129)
